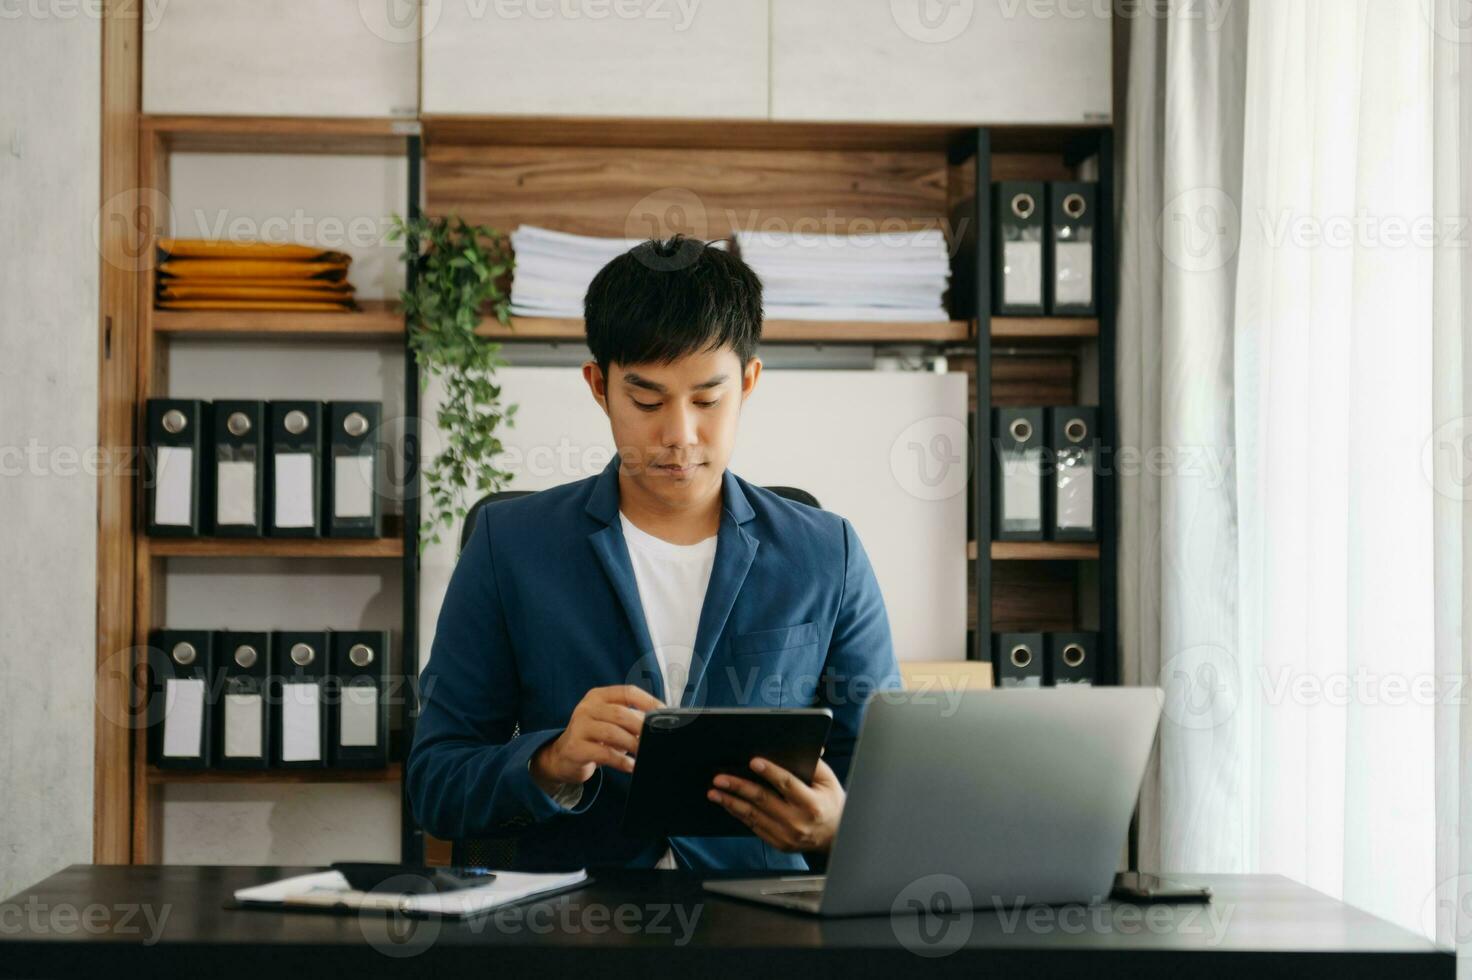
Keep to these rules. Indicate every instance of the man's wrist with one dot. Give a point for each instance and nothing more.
(542, 771)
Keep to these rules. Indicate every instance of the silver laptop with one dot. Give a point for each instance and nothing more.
(991, 798)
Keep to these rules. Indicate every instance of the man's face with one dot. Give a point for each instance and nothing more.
(675, 424)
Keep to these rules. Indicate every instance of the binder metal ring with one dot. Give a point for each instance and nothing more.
(245, 656)
(1074, 205)
(355, 424)
(302, 654)
(1021, 429)
(238, 423)
(175, 421)
(295, 422)
(1023, 205)
(184, 654)
(1076, 430)
(1073, 655)
(360, 654)
(1020, 656)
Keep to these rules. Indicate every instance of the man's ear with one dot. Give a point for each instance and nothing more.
(597, 384)
(749, 376)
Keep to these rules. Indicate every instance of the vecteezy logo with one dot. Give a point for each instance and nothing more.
(932, 915)
(400, 21)
(126, 224)
(1202, 687)
(666, 212)
(390, 930)
(929, 458)
(1450, 19)
(932, 21)
(1199, 230)
(1446, 459)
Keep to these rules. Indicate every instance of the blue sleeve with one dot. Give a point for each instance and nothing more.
(467, 776)
(861, 656)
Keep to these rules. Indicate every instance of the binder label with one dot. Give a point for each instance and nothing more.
(175, 478)
(236, 492)
(1073, 280)
(1022, 273)
(183, 717)
(1075, 481)
(1022, 491)
(243, 725)
(352, 486)
(294, 490)
(358, 715)
(301, 731)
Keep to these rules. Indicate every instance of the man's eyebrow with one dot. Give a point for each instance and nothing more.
(630, 378)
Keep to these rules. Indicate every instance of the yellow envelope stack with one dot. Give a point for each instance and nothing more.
(195, 274)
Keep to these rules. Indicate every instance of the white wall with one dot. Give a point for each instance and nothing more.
(48, 400)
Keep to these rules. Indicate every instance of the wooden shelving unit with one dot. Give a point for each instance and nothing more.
(158, 777)
(549, 329)
(276, 547)
(1042, 329)
(373, 322)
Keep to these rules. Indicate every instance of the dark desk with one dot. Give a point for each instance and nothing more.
(169, 921)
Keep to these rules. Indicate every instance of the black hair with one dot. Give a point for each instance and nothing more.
(662, 300)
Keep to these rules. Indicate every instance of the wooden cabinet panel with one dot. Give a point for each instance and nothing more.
(968, 61)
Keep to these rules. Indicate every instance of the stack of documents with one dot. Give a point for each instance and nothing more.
(329, 889)
(898, 276)
(196, 274)
(554, 268)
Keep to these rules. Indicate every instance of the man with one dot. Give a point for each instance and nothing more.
(665, 580)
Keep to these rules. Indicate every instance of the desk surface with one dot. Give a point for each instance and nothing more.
(170, 920)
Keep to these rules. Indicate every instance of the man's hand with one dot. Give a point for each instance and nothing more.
(603, 731)
(788, 814)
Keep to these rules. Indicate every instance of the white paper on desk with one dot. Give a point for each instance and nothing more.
(352, 486)
(172, 489)
(328, 888)
(294, 490)
(235, 492)
(183, 717)
(301, 722)
(244, 721)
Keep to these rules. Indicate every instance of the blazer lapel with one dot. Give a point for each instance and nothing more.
(613, 554)
(735, 551)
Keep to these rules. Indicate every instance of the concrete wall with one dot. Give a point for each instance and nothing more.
(49, 158)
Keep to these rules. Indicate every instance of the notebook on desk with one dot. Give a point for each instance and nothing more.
(328, 891)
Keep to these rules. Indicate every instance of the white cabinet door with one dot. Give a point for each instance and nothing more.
(703, 58)
(281, 57)
(964, 61)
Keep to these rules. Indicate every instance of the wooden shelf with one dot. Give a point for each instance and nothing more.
(392, 774)
(526, 328)
(743, 134)
(274, 547)
(375, 320)
(280, 134)
(1042, 550)
(1027, 329)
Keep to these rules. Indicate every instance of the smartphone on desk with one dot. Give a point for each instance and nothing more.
(410, 879)
(1137, 886)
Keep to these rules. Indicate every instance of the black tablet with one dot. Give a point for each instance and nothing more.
(682, 749)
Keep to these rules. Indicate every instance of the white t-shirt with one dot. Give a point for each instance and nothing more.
(672, 580)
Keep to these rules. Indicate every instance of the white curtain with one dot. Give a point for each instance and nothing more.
(1292, 353)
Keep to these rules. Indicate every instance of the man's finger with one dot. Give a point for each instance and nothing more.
(794, 790)
(629, 719)
(610, 734)
(759, 796)
(761, 823)
(635, 697)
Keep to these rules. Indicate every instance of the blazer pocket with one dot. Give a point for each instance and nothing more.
(765, 641)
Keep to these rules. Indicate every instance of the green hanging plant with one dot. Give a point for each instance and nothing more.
(461, 272)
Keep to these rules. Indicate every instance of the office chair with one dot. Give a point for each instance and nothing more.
(499, 851)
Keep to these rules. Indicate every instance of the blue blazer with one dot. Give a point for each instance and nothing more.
(543, 606)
